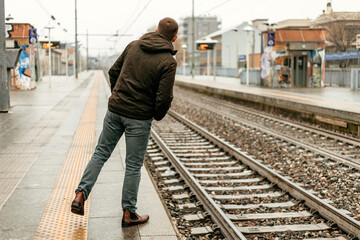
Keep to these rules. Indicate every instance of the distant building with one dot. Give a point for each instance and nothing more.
(299, 57)
(294, 23)
(341, 30)
(231, 50)
(203, 26)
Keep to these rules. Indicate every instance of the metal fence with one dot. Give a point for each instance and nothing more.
(333, 77)
(338, 77)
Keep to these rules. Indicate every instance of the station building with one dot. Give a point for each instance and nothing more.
(296, 58)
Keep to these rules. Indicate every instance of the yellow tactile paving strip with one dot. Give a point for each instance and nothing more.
(57, 221)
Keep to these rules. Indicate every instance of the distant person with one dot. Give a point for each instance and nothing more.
(142, 80)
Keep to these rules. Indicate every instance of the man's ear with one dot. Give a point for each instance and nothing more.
(174, 39)
(156, 30)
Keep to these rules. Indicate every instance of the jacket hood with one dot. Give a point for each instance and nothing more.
(156, 42)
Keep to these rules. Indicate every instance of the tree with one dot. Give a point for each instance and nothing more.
(341, 28)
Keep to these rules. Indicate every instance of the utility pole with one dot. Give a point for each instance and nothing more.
(76, 42)
(4, 89)
(193, 41)
(49, 47)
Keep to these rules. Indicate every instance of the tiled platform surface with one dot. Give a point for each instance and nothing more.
(336, 102)
(35, 137)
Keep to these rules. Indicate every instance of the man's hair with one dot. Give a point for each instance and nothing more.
(168, 27)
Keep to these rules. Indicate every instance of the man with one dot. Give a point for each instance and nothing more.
(142, 80)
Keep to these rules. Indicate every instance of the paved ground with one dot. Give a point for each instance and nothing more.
(36, 137)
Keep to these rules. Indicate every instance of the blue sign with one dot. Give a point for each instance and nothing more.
(271, 39)
(242, 57)
(32, 36)
(341, 55)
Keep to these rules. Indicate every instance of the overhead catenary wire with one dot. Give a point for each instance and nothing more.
(132, 14)
(51, 17)
(237, 10)
(219, 5)
(41, 5)
(132, 23)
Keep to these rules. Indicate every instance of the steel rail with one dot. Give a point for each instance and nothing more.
(330, 154)
(227, 227)
(325, 132)
(353, 163)
(329, 212)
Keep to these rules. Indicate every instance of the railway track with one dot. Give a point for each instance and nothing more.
(339, 147)
(327, 175)
(244, 198)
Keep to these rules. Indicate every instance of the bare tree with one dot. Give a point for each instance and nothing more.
(180, 54)
(341, 29)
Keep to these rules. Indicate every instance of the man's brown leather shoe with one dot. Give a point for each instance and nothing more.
(131, 219)
(77, 205)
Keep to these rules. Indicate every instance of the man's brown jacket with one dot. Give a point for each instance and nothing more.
(142, 78)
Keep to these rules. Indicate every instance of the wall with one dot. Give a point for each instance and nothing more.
(17, 36)
(229, 45)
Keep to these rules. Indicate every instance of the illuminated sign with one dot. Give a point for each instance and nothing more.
(205, 46)
(54, 45)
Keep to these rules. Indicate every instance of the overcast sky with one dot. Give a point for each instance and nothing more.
(134, 17)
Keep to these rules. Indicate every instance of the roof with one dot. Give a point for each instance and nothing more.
(293, 23)
(20, 24)
(300, 35)
(225, 30)
(338, 16)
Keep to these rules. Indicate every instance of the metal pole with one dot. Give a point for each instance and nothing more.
(80, 65)
(76, 42)
(49, 46)
(247, 58)
(87, 50)
(4, 89)
(208, 62)
(214, 62)
(32, 62)
(193, 41)
(37, 59)
(73, 56)
(237, 53)
(184, 69)
(253, 50)
(66, 61)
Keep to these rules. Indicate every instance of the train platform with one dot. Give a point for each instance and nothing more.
(46, 140)
(332, 105)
